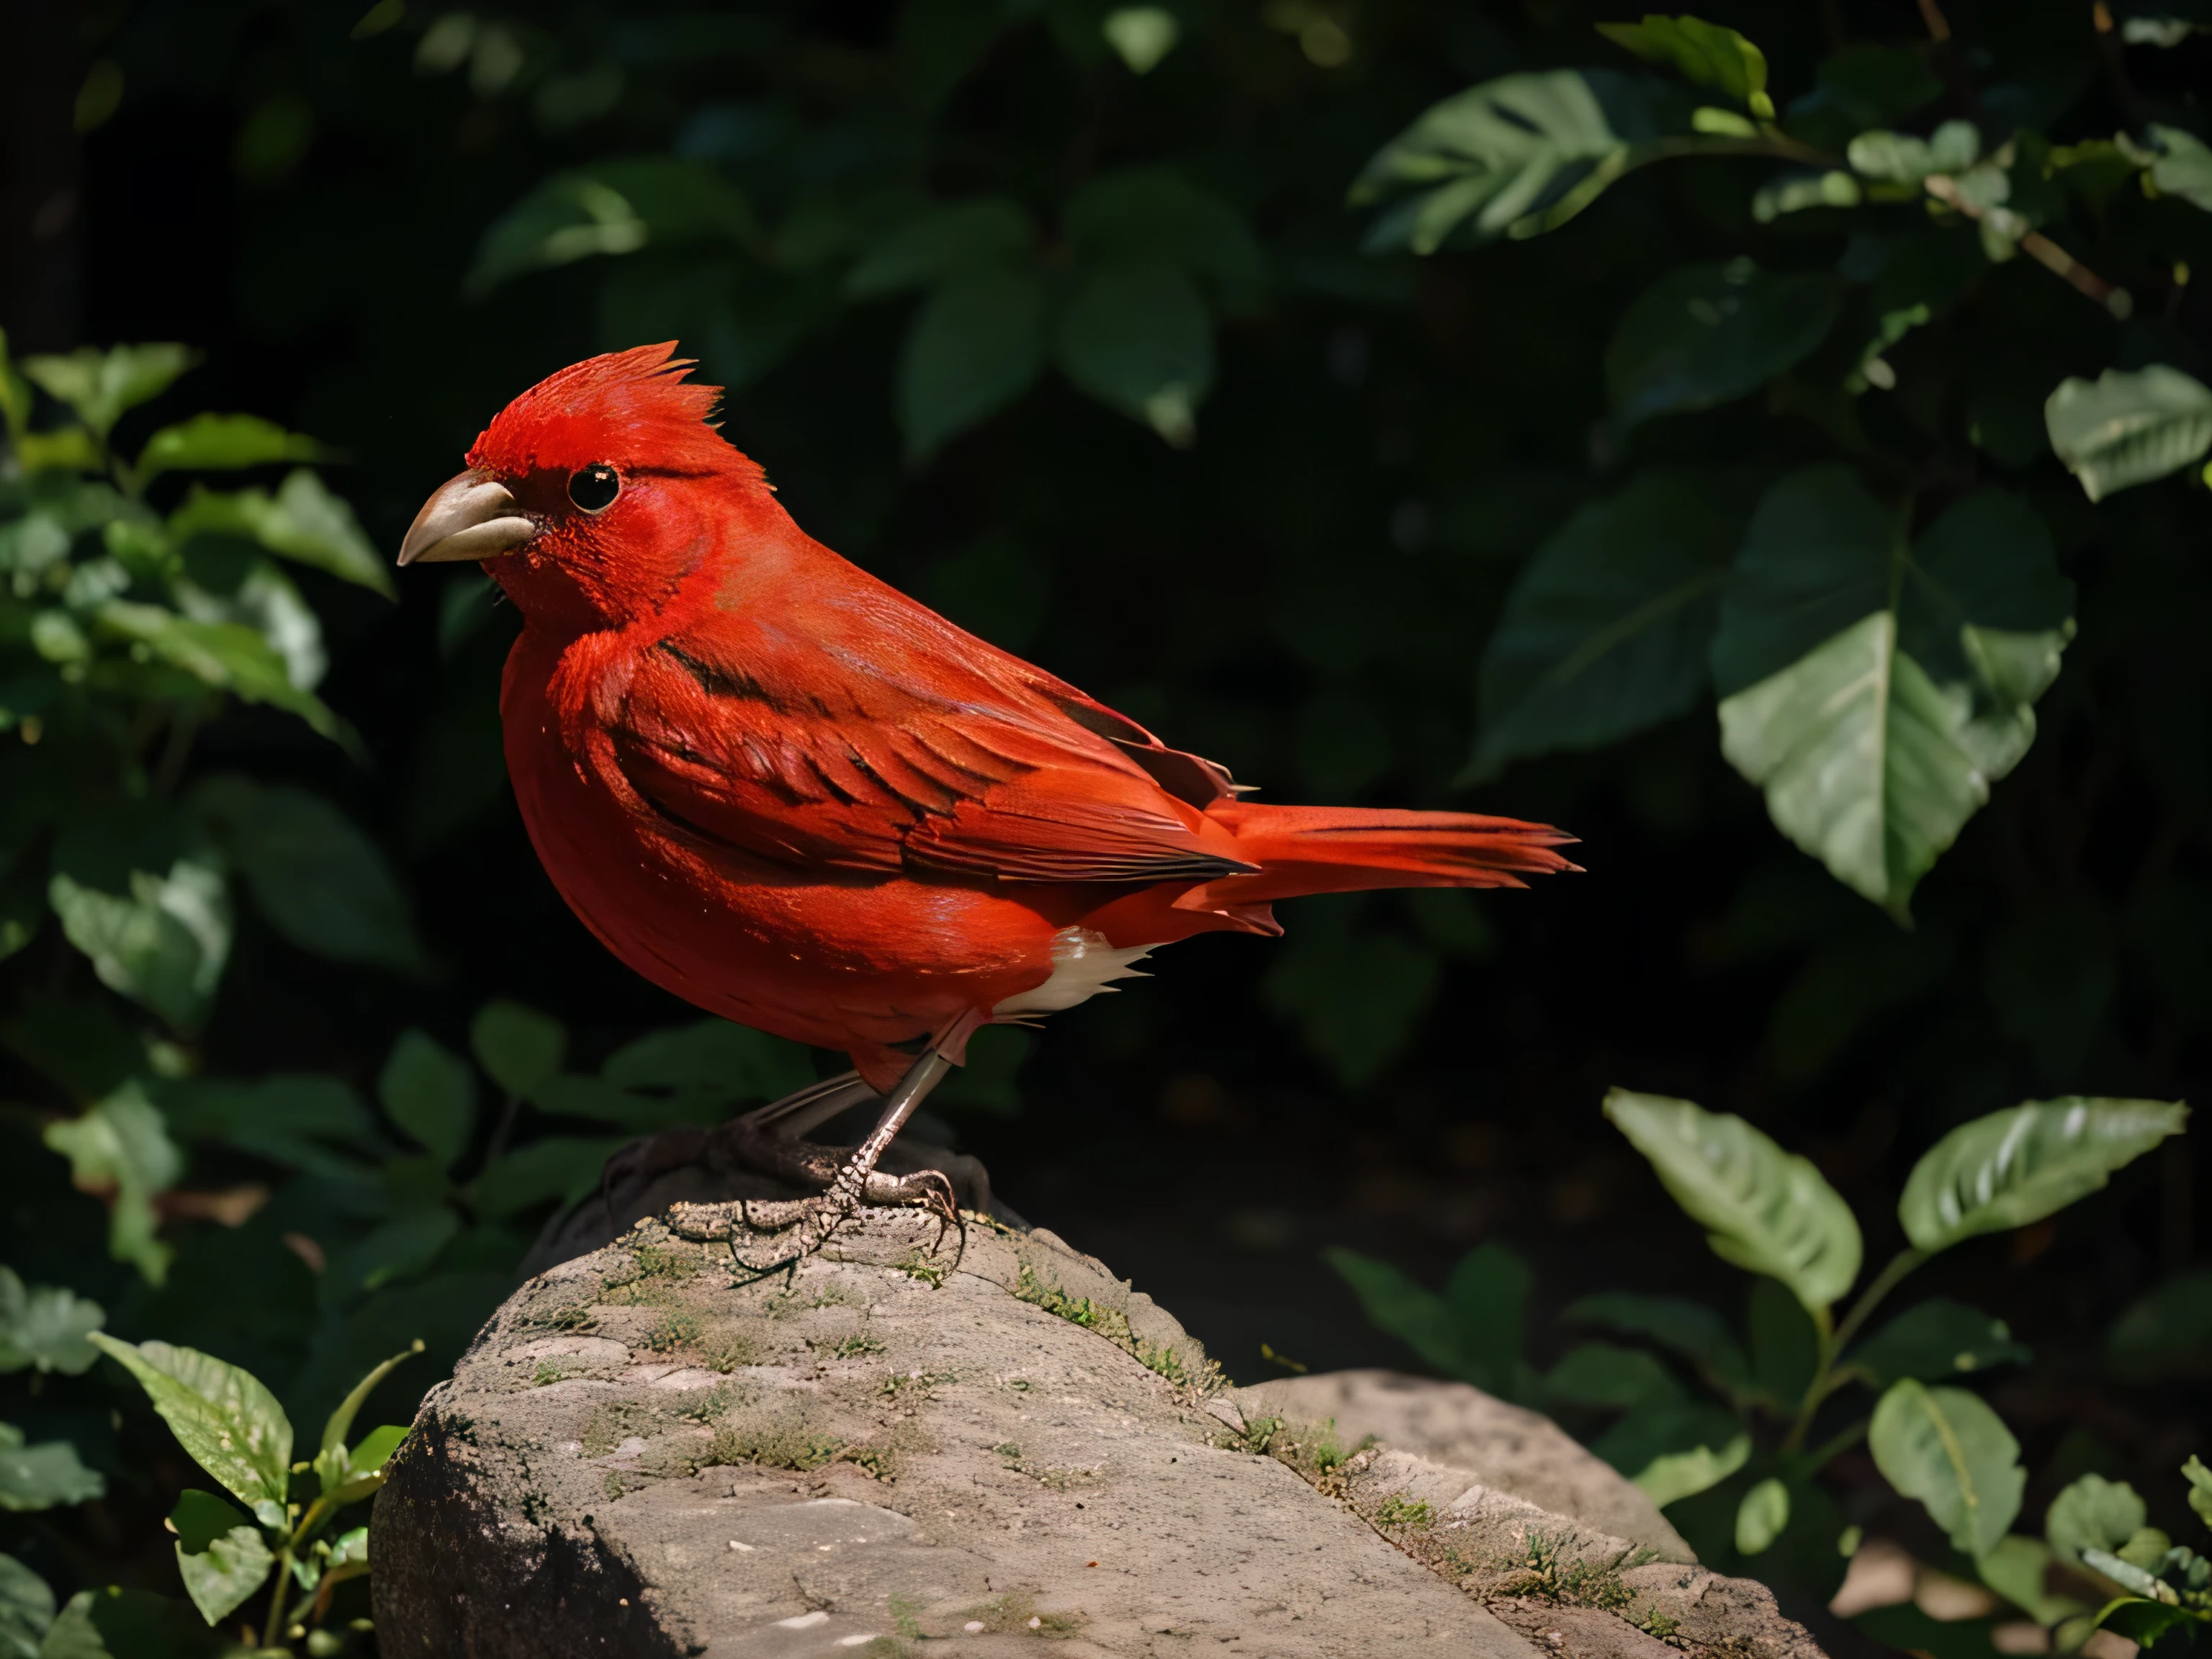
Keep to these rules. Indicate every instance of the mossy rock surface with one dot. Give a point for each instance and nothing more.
(887, 1451)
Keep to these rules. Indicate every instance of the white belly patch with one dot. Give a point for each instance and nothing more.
(1083, 964)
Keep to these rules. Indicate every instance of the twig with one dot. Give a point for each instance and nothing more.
(1939, 27)
(2038, 246)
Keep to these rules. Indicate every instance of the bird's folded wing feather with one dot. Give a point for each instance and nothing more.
(812, 758)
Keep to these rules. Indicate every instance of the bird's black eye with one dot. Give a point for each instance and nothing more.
(594, 488)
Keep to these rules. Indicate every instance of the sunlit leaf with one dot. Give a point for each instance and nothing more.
(1141, 35)
(975, 345)
(2018, 1568)
(431, 1093)
(1947, 1448)
(120, 1145)
(222, 655)
(102, 386)
(1607, 630)
(46, 1476)
(378, 1446)
(303, 521)
(2016, 1166)
(1761, 1515)
(1765, 1210)
(223, 1416)
(612, 207)
(2129, 427)
(221, 442)
(1511, 157)
(2092, 1513)
(221, 1556)
(1902, 159)
(46, 1325)
(1674, 1449)
(315, 878)
(1706, 52)
(163, 943)
(1935, 1341)
(1136, 335)
(2183, 167)
(26, 1610)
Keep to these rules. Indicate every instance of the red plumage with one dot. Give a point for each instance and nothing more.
(797, 799)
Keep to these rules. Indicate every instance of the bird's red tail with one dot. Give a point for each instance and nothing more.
(1343, 850)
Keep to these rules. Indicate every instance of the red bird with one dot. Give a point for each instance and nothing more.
(797, 799)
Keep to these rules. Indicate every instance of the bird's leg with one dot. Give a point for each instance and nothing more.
(766, 1139)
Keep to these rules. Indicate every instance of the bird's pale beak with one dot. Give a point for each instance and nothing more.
(473, 516)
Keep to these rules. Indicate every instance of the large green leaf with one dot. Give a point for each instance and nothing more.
(46, 1325)
(521, 1047)
(2183, 167)
(1512, 157)
(316, 1124)
(224, 655)
(551, 1167)
(1155, 213)
(1707, 333)
(1689, 1329)
(163, 943)
(975, 345)
(316, 878)
(102, 386)
(1875, 744)
(943, 242)
(1675, 1448)
(1765, 1210)
(1937, 1340)
(1607, 630)
(133, 1624)
(2019, 1165)
(431, 1093)
(45, 1476)
(1400, 1305)
(612, 207)
(303, 521)
(1761, 1516)
(1136, 335)
(338, 1425)
(2092, 1513)
(26, 1610)
(221, 1556)
(120, 1145)
(1947, 1448)
(1706, 52)
(2129, 427)
(1488, 1296)
(223, 1416)
(221, 443)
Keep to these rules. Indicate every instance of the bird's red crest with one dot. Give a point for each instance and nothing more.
(623, 407)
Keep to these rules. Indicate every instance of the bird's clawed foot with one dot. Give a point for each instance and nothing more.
(799, 1227)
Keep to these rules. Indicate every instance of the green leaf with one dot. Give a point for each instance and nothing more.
(2200, 1487)
(1410, 1311)
(520, 1047)
(1947, 1448)
(1358, 995)
(1785, 1345)
(2016, 1569)
(316, 1124)
(26, 1610)
(42, 1477)
(221, 442)
(2016, 1166)
(1487, 1295)
(130, 1624)
(975, 346)
(2183, 167)
(1689, 1329)
(1937, 1340)
(100, 386)
(318, 880)
(943, 242)
(225, 655)
(221, 1555)
(561, 1168)
(1707, 53)
(377, 1446)
(121, 1147)
(2144, 1621)
(2165, 1335)
(400, 1249)
(2092, 1513)
(1674, 1449)
(303, 521)
(1141, 35)
(1155, 213)
(1816, 557)
(612, 207)
(431, 1093)
(1514, 157)
(1767, 1211)
(1901, 159)
(339, 1423)
(713, 1060)
(2129, 427)
(1761, 1516)
(1136, 335)
(1599, 1374)
(164, 944)
(46, 1327)
(1607, 630)
(228, 1423)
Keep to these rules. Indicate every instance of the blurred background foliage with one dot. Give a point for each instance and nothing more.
(1475, 458)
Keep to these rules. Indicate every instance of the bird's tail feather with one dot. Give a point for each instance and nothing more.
(1343, 850)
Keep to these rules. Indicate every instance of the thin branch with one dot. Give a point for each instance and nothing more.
(2033, 243)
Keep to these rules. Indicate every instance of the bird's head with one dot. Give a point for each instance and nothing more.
(593, 495)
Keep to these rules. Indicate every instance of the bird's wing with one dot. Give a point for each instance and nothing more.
(905, 758)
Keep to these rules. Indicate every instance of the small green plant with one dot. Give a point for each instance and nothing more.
(233, 1428)
(2100, 1526)
(1396, 1512)
(1734, 1449)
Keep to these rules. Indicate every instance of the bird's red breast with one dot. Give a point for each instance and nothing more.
(789, 793)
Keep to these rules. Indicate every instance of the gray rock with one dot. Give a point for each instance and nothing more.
(647, 1453)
